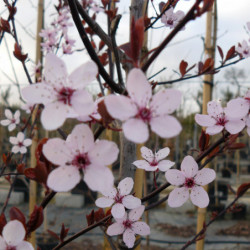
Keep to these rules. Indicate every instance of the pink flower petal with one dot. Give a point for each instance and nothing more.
(141, 228)
(8, 114)
(13, 233)
(141, 164)
(104, 152)
(129, 238)
(98, 178)
(23, 150)
(147, 154)
(175, 177)
(166, 101)
(234, 126)
(204, 120)
(2, 243)
(214, 108)
(204, 176)
(237, 108)
(189, 166)
(24, 245)
(165, 126)
(135, 130)
(64, 178)
(115, 229)
(118, 210)
(57, 152)
(125, 186)
(20, 136)
(11, 127)
(162, 153)
(82, 102)
(55, 70)
(27, 142)
(199, 197)
(178, 197)
(104, 202)
(131, 202)
(17, 115)
(15, 149)
(38, 93)
(165, 165)
(13, 140)
(83, 75)
(138, 87)
(81, 138)
(136, 213)
(213, 130)
(54, 115)
(120, 107)
(5, 122)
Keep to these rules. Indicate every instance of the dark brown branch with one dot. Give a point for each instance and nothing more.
(84, 37)
(189, 16)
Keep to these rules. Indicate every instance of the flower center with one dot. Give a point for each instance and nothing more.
(13, 121)
(144, 114)
(65, 94)
(118, 198)
(20, 144)
(221, 120)
(154, 163)
(189, 183)
(10, 248)
(170, 22)
(127, 224)
(81, 161)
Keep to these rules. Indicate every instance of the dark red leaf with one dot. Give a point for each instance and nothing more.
(36, 219)
(30, 173)
(243, 188)
(230, 53)
(104, 58)
(5, 26)
(53, 234)
(99, 214)
(204, 141)
(16, 214)
(102, 110)
(200, 67)
(236, 146)
(91, 218)
(183, 67)
(63, 233)
(101, 45)
(12, 11)
(20, 168)
(4, 158)
(3, 222)
(221, 52)
(18, 53)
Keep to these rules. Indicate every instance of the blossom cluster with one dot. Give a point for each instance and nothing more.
(243, 48)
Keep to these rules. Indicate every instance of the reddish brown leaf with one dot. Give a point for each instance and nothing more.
(90, 218)
(236, 146)
(221, 52)
(183, 67)
(5, 158)
(105, 3)
(3, 222)
(63, 233)
(5, 26)
(16, 214)
(30, 173)
(36, 219)
(111, 13)
(104, 58)
(230, 53)
(214, 152)
(147, 21)
(200, 67)
(101, 45)
(89, 31)
(102, 110)
(12, 11)
(208, 65)
(243, 188)
(20, 168)
(18, 53)
(53, 234)
(99, 214)
(204, 141)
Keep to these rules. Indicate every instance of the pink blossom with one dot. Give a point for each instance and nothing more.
(20, 144)
(171, 19)
(140, 109)
(50, 39)
(219, 118)
(189, 178)
(248, 124)
(120, 198)
(80, 154)
(62, 95)
(13, 237)
(27, 107)
(243, 49)
(154, 162)
(129, 226)
(12, 120)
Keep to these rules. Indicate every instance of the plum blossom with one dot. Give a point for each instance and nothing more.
(140, 109)
(243, 49)
(13, 237)
(154, 161)
(171, 19)
(248, 124)
(28, 107)
(20, 144)
(129, 226)
(189, 178)
(80, 154)
(62, 95)
(120, 198)
(219, 118)
(12, 120)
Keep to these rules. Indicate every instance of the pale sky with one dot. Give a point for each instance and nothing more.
(187, 45)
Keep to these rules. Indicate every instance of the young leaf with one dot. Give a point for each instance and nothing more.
(183, 68)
